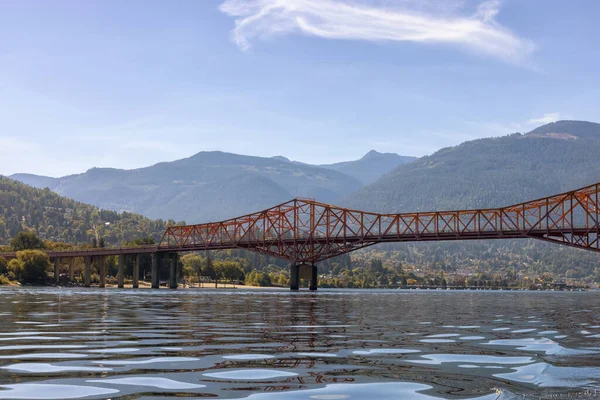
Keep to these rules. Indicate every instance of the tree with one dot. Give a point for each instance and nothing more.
(26, 241)
(229, 270)
(209, 269)
(192, 264)
(3, 265)
(376, 266)
(255, 278)
(30, 266)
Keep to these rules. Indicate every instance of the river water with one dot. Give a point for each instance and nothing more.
(69, 343)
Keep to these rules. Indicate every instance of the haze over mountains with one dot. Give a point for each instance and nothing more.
(482, 173)
(215, 185)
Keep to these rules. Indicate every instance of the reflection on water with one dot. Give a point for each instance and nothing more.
(93, 343)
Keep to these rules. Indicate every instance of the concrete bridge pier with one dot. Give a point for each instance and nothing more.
(102, 272)
(154, 272)
(87, 271)
(173, 271)
(57, 270)
(314, 278)
(294, 277)
(136, 271)
(303, 271)
(121, 272)
(72, 269)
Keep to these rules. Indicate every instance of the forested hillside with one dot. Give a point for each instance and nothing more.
(493, 172)
(53, 217)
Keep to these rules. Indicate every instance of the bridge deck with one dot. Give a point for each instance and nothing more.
(101, 251)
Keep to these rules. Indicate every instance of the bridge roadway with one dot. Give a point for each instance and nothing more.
(305, 232)
(125, 254)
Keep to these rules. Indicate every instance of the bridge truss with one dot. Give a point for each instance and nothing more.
(305, 231)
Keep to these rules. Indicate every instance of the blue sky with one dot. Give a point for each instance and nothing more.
(128, 84)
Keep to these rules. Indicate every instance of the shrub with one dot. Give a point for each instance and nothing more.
(4, 280)
(30, 266)
(14, 268)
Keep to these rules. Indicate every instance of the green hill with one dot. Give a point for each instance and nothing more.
(57, 218)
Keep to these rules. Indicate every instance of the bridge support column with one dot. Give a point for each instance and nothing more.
(121, 273)
(102, 272)
(136, 272)
(57, 270)
(314, 278)
(173, 271)
(87, 271)
(294, 277)
(154, 277)
(72, 269)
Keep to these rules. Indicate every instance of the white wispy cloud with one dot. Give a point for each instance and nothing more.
(487, 129)
(408, 20)
(546, 119)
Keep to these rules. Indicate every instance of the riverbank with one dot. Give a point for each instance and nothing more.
(148, 285)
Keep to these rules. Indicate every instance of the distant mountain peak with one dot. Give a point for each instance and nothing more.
(376, 154)
(281, 158)
(372, 153)
(371, 166)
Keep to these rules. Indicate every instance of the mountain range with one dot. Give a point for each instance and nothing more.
(215, 185)
(490, 172)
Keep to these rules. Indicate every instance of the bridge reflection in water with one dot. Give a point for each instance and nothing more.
(305, 232)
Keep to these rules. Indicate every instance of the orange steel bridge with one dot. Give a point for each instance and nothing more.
(305, 231)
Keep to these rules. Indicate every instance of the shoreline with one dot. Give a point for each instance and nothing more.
(147, 285)
(229, 286)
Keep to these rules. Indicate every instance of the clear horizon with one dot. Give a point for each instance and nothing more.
(315, 81)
